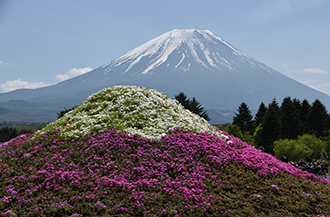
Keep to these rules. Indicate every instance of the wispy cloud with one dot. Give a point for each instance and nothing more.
(314, 71)
(319, 86)
(3, 63)
(73, 73)
(19, 84)
(310, 71)
(306, 82)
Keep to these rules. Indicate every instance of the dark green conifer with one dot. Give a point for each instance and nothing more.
(260, 114)
(289, 116)
(304, 112)
(243, 118)
(318, 119)
(192, 105)
(270, 128)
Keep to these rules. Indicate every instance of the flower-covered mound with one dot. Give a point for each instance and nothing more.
(133, 110)
(182, 174)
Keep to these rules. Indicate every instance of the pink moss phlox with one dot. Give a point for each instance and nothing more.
(180, 166)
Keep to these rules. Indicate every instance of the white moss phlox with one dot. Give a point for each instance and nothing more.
(133, 110)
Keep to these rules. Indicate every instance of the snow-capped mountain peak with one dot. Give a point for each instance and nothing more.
(196, 62)
(189, 46)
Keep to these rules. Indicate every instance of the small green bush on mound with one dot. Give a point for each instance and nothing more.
(132, 110)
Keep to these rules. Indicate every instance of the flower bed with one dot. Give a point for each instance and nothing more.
(133, 110)
(112, 173)
(81, 165)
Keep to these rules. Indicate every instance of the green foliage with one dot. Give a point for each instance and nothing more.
(63, 112)
(271, 128)
(192, 105)
(8, 133)
(304, 111)
(290, 120)
(305, 148)
(260, 114)
(131, 109)
(293, 150)
(315, 144)
(235, 130)
(243, 118)
(318, 119)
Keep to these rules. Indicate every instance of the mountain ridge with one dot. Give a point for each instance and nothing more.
(196, 62)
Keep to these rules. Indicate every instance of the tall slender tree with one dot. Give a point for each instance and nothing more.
(270, 128)
(243, 118)
(260, 114)
(318, 119)
(304, 113)
(289, 116)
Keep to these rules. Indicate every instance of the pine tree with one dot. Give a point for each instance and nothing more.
(192, 105)
(318, 119)
(243, 118)
(197, 108)
(63, 112)
(260, 114)
(289, 116)
(270, 128)
(183, 100)
(304, 112)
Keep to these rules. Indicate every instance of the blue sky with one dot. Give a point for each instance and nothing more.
(44, 42)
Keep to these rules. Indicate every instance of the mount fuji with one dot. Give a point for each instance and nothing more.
(196, 62)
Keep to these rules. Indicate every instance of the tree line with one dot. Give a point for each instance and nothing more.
(283, 124)
(7, 133)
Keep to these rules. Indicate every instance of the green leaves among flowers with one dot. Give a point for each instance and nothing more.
(132, 110)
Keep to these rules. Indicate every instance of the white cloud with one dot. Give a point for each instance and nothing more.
(306, 82)
(73, 73)
(309, 71)
(314, 71)
(18, 84)
(3, 63)
(322, 85)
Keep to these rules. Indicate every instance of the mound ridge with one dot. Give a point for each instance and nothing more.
(131, 109)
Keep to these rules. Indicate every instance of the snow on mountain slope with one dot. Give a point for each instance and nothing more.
(199, 47)
(196, 62)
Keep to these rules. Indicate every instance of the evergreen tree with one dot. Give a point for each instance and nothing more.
(243, 118)
(183, 100)
(63, 112)
(289, 116)
(260, 114)
(197, 108)
(270, 128)
(304, 112)
(192, 105)
(318, 119)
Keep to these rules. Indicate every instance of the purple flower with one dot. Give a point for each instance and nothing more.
(26, 155)
(6, 199)
(274, 186)
(7, 213)
(11, 191)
